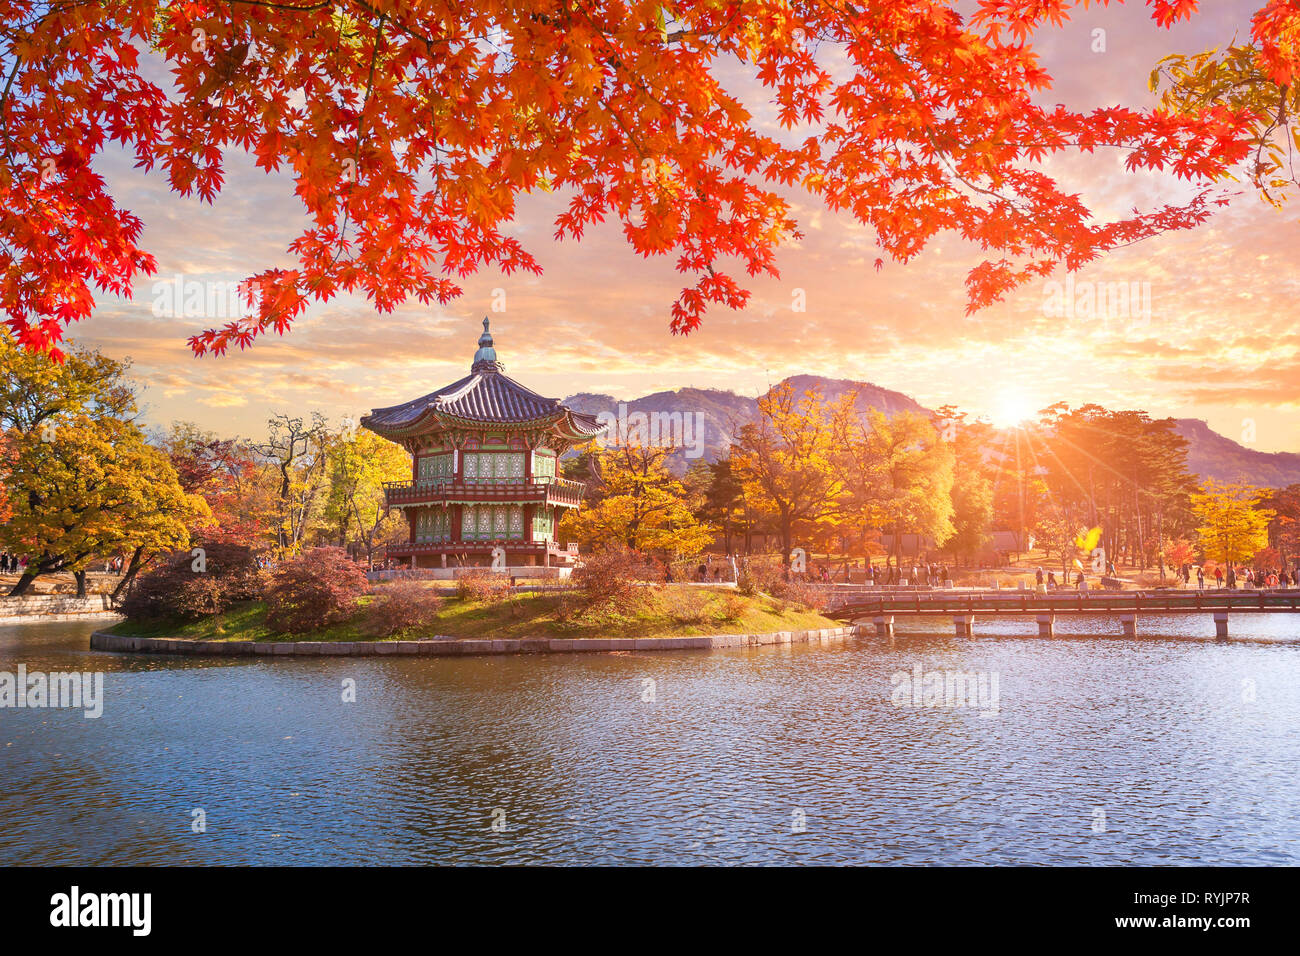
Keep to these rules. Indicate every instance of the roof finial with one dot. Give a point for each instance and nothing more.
(486, 356)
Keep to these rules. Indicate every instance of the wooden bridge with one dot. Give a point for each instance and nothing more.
(1124, 605)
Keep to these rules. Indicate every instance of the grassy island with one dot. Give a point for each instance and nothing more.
(673, 611)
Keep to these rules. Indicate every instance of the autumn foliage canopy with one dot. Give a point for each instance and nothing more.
(411, 129)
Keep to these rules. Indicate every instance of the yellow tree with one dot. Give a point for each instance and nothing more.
(6, 453)
(898, 472)
(783, 461)
(91, 486)
(639, 502)
(1232, 525)
(973, 490)
(35, 391)
(80, 478)
(358, 464)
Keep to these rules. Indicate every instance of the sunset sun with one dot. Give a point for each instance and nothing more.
(1012, 408)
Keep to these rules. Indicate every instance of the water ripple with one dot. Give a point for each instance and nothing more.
(1102, 751)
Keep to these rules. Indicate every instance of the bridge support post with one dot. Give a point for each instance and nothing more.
(1221, 625)
(963, 624)
(1046, 624)
(1130, 624)
(885, 626)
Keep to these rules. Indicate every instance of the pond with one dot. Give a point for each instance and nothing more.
(1085, 749)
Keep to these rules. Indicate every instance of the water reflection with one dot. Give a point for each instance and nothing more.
(1188, 748)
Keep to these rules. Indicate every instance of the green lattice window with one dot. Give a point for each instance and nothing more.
(543, 525)
(432, 525)
(543, 466)
(492, 522)
(434, 468)
(494, 466)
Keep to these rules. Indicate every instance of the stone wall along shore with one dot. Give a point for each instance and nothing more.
(454, 646)
(54, 607)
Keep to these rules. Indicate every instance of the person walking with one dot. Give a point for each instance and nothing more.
(1200, 579)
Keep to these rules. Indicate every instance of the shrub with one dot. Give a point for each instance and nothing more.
(174, 590)
(487, 587)
(399, 607)
(771, 579)
(732, 608)
(685, 605)
(799, 592)
(746, 581)
(314, 590)
(615, 576)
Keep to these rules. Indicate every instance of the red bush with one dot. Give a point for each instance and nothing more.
(314, 590)
(399, 607)
(177, 590)
(616, 575)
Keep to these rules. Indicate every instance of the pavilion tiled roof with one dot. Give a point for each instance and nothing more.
(486, 395)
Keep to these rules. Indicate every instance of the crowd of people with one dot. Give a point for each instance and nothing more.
(928, 575)
(17, 564)
(937, 575)
(1219, 577)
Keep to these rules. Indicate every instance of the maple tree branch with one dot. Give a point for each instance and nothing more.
(4, 108)
(939, 151)
(271, 4)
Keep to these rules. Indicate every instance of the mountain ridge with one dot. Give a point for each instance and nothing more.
(718, 411)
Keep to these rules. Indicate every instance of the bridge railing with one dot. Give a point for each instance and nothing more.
(994, 602)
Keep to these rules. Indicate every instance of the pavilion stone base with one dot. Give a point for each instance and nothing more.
(522, 573)
(472, 560)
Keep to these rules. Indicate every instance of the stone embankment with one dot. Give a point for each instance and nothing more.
(454, 646)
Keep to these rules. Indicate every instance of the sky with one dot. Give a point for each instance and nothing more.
(1220, 340)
